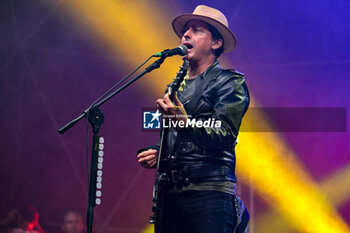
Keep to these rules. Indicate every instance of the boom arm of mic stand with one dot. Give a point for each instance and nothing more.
(150, 68)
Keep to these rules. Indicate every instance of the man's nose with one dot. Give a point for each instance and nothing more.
(187, 33)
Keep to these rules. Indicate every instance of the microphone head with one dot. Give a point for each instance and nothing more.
(184, 49)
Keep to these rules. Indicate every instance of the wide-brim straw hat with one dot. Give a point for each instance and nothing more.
(211, 16)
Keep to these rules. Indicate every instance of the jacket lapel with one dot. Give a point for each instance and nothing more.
(198, 87)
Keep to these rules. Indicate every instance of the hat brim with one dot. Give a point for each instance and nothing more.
(230, 41)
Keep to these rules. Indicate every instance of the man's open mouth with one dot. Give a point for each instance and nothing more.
(188, 45)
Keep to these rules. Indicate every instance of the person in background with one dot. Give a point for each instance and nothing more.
(72, 222)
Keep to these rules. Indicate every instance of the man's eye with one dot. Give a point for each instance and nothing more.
(184, 31)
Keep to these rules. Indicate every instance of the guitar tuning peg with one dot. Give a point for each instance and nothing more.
(98, 201)
(101, 140)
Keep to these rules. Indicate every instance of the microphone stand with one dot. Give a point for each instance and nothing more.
(96, 119)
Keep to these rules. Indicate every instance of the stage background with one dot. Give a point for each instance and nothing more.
(58, 56)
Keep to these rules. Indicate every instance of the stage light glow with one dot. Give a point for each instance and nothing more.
(333, 187)
(283, 182)
(134, 30)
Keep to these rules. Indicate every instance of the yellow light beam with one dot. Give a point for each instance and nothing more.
(134, 30)
(281, 180)
(130, 29)
(333, 187)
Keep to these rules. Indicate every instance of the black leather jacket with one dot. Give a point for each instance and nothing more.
(207, 154)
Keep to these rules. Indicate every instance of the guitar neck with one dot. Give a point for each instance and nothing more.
(175, 85)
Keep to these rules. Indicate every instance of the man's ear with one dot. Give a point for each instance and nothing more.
(216, 44)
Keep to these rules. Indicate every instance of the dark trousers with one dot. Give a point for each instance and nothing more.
(199, 212)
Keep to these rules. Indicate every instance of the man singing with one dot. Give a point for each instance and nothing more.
(201, 160)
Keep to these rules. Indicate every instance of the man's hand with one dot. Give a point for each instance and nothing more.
(169, 108)
(148, 158)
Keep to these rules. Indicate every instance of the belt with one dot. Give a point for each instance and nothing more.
(188, 175)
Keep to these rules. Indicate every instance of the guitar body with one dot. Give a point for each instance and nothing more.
(162, 181)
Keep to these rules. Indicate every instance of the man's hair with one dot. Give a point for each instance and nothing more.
(217, 36)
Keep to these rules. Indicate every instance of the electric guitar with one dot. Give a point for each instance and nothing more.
(161, 183)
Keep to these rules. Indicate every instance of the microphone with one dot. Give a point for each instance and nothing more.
(181, 50)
